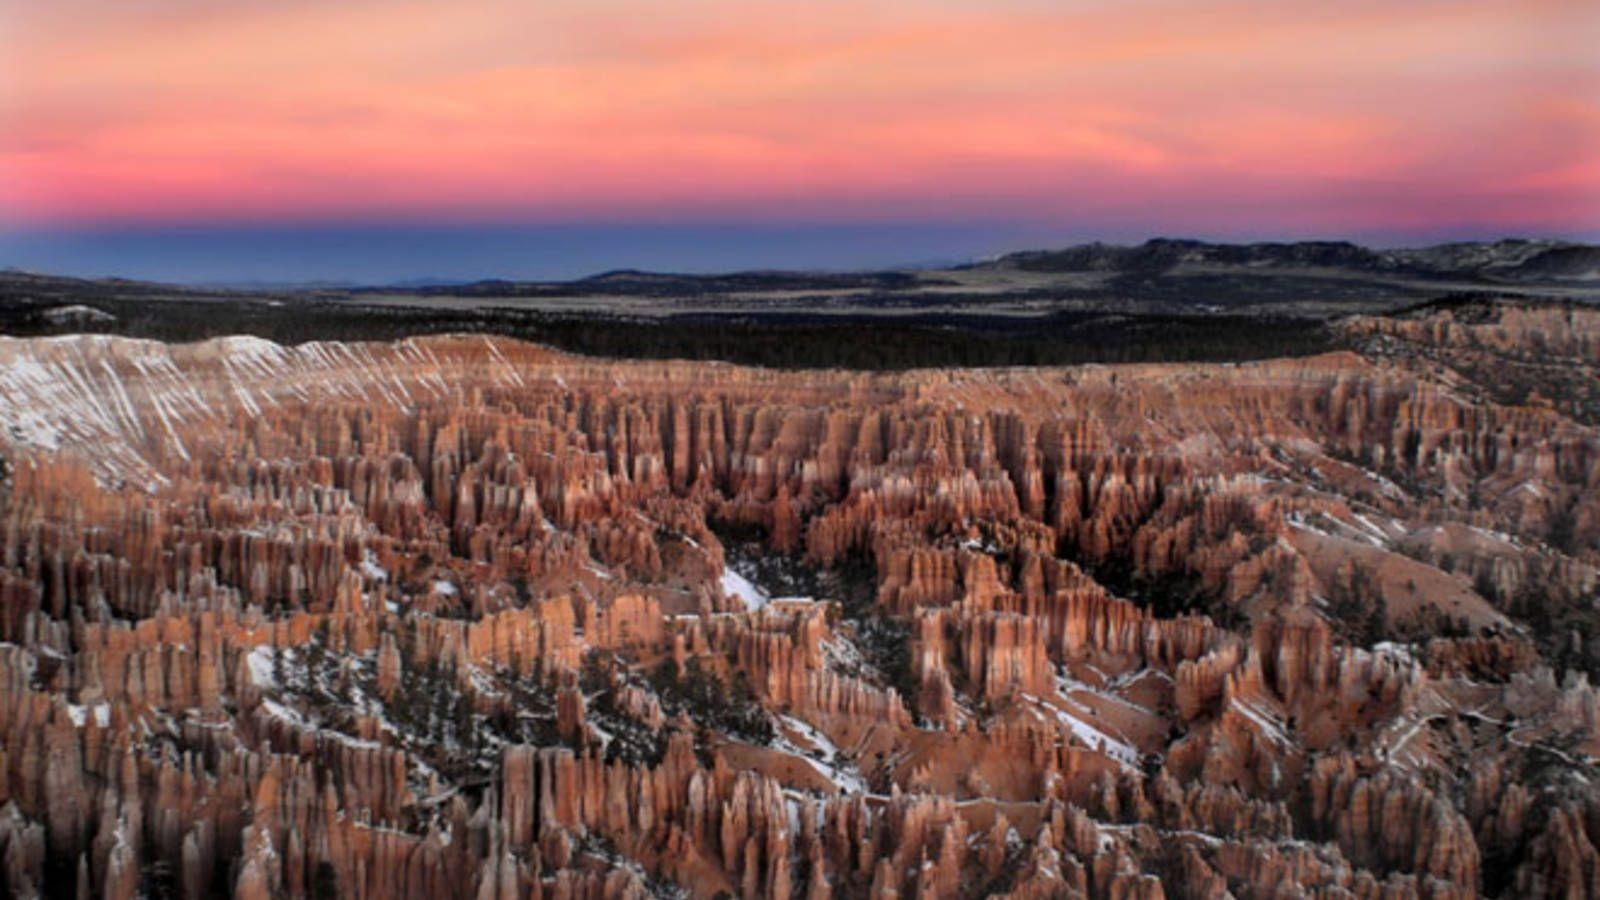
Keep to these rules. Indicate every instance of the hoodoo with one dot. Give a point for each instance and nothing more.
(467, 617)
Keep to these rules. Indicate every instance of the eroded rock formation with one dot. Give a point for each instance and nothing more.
(462, 617)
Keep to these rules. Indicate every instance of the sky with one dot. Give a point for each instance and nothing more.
(173, 136)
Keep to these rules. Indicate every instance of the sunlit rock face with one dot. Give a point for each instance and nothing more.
(461, 617)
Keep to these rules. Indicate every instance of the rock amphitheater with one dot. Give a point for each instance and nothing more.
(466, 617)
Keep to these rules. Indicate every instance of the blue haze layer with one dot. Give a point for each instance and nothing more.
(277, 255)
(389, 254)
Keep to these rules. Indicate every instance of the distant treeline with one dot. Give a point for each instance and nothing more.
(776, 340)
(921, 342)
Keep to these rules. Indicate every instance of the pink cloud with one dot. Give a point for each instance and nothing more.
(1202, 115)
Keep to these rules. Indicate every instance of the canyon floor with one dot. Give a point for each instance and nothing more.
(461, 615)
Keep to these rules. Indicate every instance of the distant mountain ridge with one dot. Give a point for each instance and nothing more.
(1506, 261)
(1511, 259)
(635, 282)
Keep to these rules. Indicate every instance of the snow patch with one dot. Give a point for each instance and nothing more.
(1401, 652)
(1263, 721)
(843, 775)
(80, 714)
(743, 588)
(260, 663)
(371, 569)
(77, 312)
(1091, 736)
